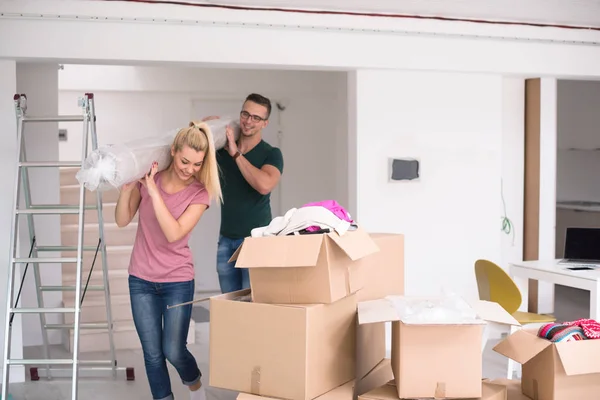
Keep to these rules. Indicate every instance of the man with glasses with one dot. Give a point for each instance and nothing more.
(250, 169)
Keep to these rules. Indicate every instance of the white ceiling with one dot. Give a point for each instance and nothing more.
(563, 12)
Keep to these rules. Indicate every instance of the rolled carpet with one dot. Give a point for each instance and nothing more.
(114, 165)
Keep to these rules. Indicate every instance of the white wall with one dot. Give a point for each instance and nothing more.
(136, 102)
(513, 167)
(454, 124)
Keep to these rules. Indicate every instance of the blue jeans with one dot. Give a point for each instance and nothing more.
(230, 277)
(163, 333)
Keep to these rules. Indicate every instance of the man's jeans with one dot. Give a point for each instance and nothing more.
(149, 306)
(230, 277)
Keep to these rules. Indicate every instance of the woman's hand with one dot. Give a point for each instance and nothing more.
(149, 183)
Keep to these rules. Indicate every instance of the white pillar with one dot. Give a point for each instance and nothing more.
(39, 81)
(8, 160)
(547, 206)
(352, 157)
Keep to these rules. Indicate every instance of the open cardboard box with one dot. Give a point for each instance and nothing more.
(425, 356)
(290, 351)
(554, 371)
(490, 390)
(305, 269)
(377, 377)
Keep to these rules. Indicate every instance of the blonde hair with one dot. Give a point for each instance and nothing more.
(198, 136)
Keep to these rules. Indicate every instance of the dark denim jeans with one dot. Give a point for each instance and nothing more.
(163, 333)
(230, 277)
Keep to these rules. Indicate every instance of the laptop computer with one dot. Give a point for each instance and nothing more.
(582, 246)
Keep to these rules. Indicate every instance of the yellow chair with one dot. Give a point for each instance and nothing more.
(496, 285)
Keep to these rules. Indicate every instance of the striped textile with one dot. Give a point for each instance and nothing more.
(580, 329)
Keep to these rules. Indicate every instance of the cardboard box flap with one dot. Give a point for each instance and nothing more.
(356, 244)
(512, 386)
(493, 312)
(384, 392)
(491, 391)
(278, 251)
(580, 357)
(380, 375)
(375, 311)
(522, 346)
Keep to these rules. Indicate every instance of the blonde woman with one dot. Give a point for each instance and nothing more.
(161, 270)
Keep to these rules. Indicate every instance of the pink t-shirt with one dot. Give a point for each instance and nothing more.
(153, 258)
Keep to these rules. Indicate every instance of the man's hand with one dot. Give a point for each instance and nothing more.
(149, 183)
(231, 144)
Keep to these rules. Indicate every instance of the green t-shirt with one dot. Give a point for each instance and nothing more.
(243, 208)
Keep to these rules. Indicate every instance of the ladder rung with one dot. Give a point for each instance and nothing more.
(60, 118)
(107, 364)
(42, 310)
(40, 361)
(42, 164)
(97, 325)
(95, 362)
(71, 288)
(62, 207)
(49, 211)
(65, 248)
(43, 260)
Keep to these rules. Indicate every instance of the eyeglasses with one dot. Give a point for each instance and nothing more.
(255, 118)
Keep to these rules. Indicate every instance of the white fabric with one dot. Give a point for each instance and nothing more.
(297, 219)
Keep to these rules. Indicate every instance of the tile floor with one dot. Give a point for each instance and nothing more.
(571, 304)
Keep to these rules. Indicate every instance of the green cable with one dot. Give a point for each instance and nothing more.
(507, 225)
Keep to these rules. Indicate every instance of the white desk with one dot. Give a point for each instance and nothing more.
(553, 272)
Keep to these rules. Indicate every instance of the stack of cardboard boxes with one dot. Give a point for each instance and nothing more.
(294, 336)
(313, 327)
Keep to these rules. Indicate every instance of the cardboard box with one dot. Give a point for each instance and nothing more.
(295, 352)
(425, 355)
(489, 391)
(304, 269)
(377, 377)
(554, 371)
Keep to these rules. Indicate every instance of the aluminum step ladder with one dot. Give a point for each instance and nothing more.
(75, 368)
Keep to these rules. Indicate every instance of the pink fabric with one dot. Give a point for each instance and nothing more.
(153, 258)
(332, 206)
(591, 328)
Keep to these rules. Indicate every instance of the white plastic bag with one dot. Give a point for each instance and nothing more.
(449, 308)
(114, 165)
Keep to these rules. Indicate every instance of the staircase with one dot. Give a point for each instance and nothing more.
(119, 242)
